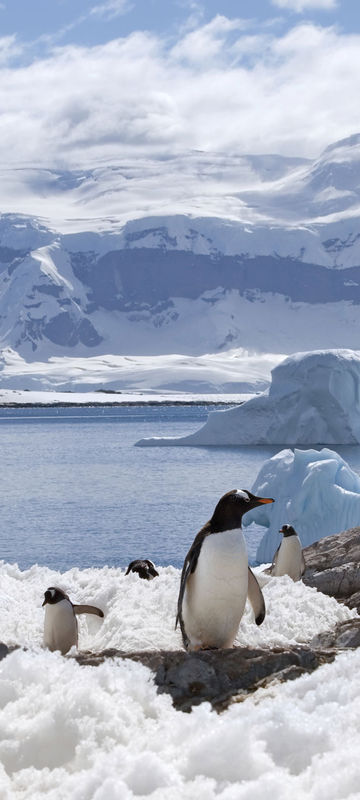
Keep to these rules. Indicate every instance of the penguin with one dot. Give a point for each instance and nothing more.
(144, 568)
(60, 624)
(288, 559)
(216, 578)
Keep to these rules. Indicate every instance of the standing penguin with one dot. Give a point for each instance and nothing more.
(288, 559)
(216, 578)
(60, 624)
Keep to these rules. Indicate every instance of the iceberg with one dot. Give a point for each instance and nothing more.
(314, 398)
(315, 491)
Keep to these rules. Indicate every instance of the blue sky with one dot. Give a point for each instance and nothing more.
(88, 22)
(88, 81)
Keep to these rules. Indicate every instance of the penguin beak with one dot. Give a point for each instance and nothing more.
(44, 603)
(265, 500)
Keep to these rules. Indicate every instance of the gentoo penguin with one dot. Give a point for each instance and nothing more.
(144, 568)
(60, 624)
(216, 578)
(288, 559)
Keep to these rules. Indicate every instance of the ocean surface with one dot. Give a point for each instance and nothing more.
(75, 492)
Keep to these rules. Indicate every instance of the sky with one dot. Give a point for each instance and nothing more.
(85, 82)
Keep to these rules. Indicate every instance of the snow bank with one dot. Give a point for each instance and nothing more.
(103, 732)
(314, 398)
(315, 491)
(140, 615)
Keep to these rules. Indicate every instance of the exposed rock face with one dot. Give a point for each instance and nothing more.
(333, 566)
(217, 676)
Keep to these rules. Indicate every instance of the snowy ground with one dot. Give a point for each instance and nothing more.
(103, 732)
(232, 372)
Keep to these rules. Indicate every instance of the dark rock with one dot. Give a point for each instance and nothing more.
(332, 566)
(4, 650)
(346, 635)
(217, 676)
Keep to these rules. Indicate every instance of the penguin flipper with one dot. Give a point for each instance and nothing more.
(188, 568)
(83, 609)
(256, 598)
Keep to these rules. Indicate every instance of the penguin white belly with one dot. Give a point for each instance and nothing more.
(216, 592)
(288, 561)
(60, 626)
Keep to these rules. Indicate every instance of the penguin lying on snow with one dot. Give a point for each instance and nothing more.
(288, 559)
(216, 578)
(60, 624)
(144, 568)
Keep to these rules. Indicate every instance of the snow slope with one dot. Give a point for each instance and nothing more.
(236, 371)
(100, 732)
(315, 491)
(313, 399)
(259, 252)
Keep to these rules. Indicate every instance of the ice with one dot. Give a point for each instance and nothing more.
(314, 398)
(315, 491)
(104, 733)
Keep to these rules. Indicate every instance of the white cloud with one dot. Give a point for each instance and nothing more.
(219, 88)
(304, 5)
(110, 9)
(10, 48)
(207, 42)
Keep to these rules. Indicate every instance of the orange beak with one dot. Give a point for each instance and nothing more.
(265, 500)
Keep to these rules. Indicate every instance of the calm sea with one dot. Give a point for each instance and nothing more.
(76, 492)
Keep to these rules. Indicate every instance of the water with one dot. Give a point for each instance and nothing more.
(76, 492)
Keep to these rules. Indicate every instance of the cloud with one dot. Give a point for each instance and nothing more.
(304, 5)
(10, 49)
(110, 9)
(135, 97)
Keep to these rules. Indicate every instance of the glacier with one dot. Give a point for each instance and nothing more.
(315, 491)
(314, 398)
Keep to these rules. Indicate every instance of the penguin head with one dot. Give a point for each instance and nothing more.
(144, 567)
(288, 530)
(54, 595)
(232, 506)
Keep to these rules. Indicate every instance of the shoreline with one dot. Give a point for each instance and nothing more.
(22, 398)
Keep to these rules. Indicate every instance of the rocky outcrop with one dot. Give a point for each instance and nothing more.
(218, 676)
(223, 676)
(333, 566)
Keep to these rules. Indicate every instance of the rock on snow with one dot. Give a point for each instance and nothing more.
(314, 398)
(315, 491)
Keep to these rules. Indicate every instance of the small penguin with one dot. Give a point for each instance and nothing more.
(144, 568)
(288, 559)
(60, 624)
(216, 578)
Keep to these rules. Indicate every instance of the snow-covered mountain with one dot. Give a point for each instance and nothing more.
(267, 258)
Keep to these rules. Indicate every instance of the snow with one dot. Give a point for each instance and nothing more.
(237, 371)
(103, 732)
(313, 399)
(315, 491)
